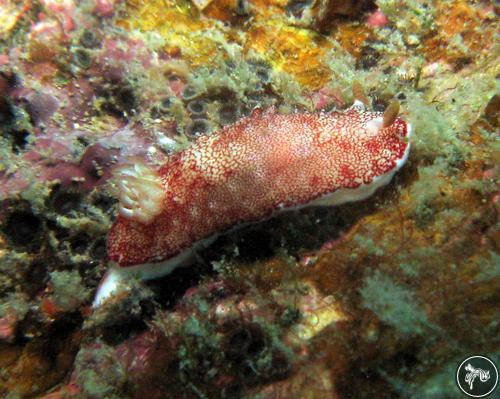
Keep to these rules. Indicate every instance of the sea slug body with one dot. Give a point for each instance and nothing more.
(264, 163)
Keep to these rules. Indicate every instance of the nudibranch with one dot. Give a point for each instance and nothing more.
(263, 164)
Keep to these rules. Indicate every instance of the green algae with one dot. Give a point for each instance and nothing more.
(489, 268)
(414, 19)
(69, 291)
(433, 133)
(16, 303)
(394, 304)
(108, 380)
(367, 245)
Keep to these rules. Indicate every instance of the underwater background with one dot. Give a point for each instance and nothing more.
(381, 298)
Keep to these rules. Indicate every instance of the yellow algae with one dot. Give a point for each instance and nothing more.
(10, 13)
(460, 30)
(269, 8)
(179, 23)
(318, 312)
(314, 323)
(352, 37)
(299, 52)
